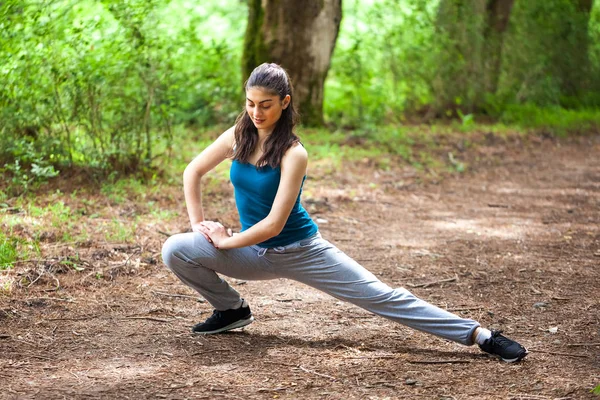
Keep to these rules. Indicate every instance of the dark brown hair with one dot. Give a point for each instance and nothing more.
(274, 80)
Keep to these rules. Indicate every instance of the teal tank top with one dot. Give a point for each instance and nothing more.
(255, 190)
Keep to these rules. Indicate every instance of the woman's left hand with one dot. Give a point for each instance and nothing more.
(216, 232)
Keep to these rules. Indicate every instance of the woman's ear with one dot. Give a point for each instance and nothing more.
(286, 101)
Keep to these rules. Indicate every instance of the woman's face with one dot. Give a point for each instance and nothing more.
(265, 108)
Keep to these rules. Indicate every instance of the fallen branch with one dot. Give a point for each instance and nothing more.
(150, 319)
(583, 344)
(316, 373)
(75, 318)
(439, 361)
(34, 260)
(370, 357)
(526, 396)
(167, 234)
(559, 353)
(381, 383)
(425, 285)
(464, 309)
(183, 296)
(265, 390)
(51, 298)
(491, 205)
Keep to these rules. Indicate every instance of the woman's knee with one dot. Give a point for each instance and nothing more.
(183, 247)
(170, 248)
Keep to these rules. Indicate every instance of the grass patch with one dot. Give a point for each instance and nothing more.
(119, 231)
(389, 146)
(556, 120)
(14, 248)
(8, 251)
(121, 191)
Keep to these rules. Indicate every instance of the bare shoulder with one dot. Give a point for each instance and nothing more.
(226, 140)
(229, 135)
(296, 153)
(295, 161)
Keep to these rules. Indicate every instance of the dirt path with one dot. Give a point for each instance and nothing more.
(520, 234)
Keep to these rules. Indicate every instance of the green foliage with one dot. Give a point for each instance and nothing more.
(8, 251)
(547, 54)
(383, 62)
(553, 119)
(110, 86)
(101, 84)
(433, 58)
(119, 232)
(596, 390)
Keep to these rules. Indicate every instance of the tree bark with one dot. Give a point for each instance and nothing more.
(459, 82)
(574, 72)
(473, 31)
(585, 6)
(498, 14)
(300, 36)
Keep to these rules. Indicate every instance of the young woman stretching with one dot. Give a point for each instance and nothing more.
(278, 238)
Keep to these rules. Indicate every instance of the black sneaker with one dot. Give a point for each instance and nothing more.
(508, 350)
(222, 321)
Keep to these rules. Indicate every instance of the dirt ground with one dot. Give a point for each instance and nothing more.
(513, 243)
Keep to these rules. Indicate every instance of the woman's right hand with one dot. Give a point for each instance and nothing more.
(198, 227)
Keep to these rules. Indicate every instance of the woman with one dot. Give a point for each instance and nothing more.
(278, 238)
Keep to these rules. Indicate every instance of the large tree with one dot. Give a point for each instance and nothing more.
(496, 22)
(575, 71)
(546, 53)
(300, 36)
(471, 35)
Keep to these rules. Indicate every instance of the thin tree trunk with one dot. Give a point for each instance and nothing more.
(575, 71)
(497, 22)
(585, 5)
(472, 32)
(300, 36)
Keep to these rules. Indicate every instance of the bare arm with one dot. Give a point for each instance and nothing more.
(209, 158)
(293, 169)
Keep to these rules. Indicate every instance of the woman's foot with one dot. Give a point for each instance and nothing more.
(507, 349)
(222, 321)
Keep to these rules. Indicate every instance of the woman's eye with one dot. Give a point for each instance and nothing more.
(266, 108)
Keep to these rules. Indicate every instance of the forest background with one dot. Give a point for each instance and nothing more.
(103, 103)
(114, 86)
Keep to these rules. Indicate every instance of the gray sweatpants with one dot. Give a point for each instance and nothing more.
(314, 262)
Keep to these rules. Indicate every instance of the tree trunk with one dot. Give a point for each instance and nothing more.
(585, 6)
(472, 34)
(300, 36)
(498, 14)
(574, 62)
(459, 82)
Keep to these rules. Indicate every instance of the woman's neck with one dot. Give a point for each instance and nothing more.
(263, 136)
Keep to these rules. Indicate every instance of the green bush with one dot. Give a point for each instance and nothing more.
(102, 84)
(8, 251)
(106, 84)
(556, 120)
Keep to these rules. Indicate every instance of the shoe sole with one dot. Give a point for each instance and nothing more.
(237, 324)
(512, 360)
